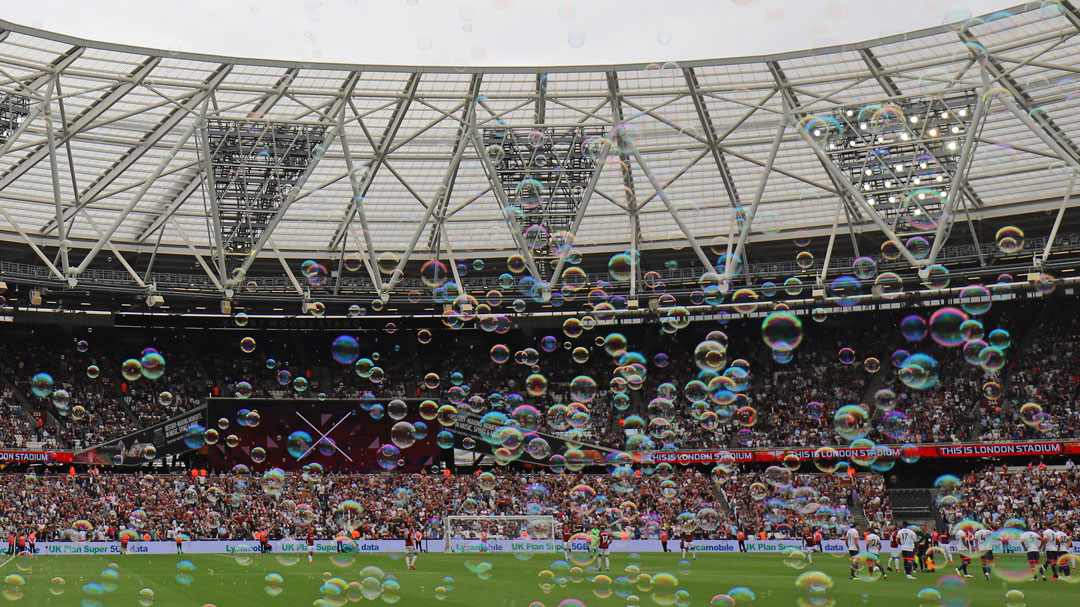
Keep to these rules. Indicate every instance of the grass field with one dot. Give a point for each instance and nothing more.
(240, 580)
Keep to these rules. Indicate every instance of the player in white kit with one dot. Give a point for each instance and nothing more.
(1064, 541)
(1032, 541)
(1050, 547)
(985, 545)
(907, 538)
(851, 540)
(873, 545)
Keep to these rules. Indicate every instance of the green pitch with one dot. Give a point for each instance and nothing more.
(241, 580)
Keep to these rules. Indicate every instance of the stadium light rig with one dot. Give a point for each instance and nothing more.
(256, 165)
(901, 155)
(545, 171)
(13, 110)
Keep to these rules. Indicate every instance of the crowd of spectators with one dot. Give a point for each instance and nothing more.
(1038, 495)
(775, 407)
(782, 503)
(101, 505)
(1048, 374)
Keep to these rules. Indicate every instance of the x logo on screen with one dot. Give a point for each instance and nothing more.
(324, 435)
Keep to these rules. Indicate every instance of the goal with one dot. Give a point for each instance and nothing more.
(470, 534)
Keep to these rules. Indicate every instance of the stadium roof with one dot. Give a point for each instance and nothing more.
(114, 140)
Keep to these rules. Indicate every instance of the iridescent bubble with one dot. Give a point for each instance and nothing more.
(1010, 240)
(919, 371)
(41, 384)
(852, 422)
(298, 444)
(913, 328)
(345, 349)
(945, 326)
(131, 369)
(845, 290)
(782, 331)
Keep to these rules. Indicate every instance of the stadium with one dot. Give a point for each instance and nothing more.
(559, 304)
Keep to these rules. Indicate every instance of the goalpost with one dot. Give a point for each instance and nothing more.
(471, 534)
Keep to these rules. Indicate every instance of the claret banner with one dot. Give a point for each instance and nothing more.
(715, 456)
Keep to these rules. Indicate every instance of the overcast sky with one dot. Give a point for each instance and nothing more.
(488, 32)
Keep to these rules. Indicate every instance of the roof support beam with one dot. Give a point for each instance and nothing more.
(198, 256)
(710, 136)
(839, 179)
(579, 214)
(748, 223)
(119, 256)
(123, 216)
(704, 259)
(1057, 219)
(832, 239)
(617, 119)
(541, 98)
(285, 266)
(87, 117)
(33, 246)
(445, 189)
(1043, 125)
(264, 105)
(882, 78)
(360, 190)
(171, 208)
(54, 170)
(504, 202)
(337, 107)
(210, 192)
(371, 169)
(163, 128)
(959, 179)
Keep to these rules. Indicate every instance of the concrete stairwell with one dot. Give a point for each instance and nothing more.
(858, 512)
(722, 503)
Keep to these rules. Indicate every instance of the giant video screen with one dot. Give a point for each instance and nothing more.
(339, 435)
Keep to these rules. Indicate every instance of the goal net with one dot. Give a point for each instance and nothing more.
(500, 534)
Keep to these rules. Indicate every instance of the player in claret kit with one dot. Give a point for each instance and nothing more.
(686, 543)
(567, 535)
(894, 551)
(310, 546)
(412, 547)
(943, 543)
(812, 542)
(604, 543)
(966, 542)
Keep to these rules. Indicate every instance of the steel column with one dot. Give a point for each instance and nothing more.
(748, 223)
(33, 246)
(338, 106)
(672, 210)
(959, 180)
(448, 179)
(1057, 219)
(54, 170)
(164, 162)
(579, 215)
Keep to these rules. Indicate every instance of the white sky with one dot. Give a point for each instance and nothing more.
(488, 32)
